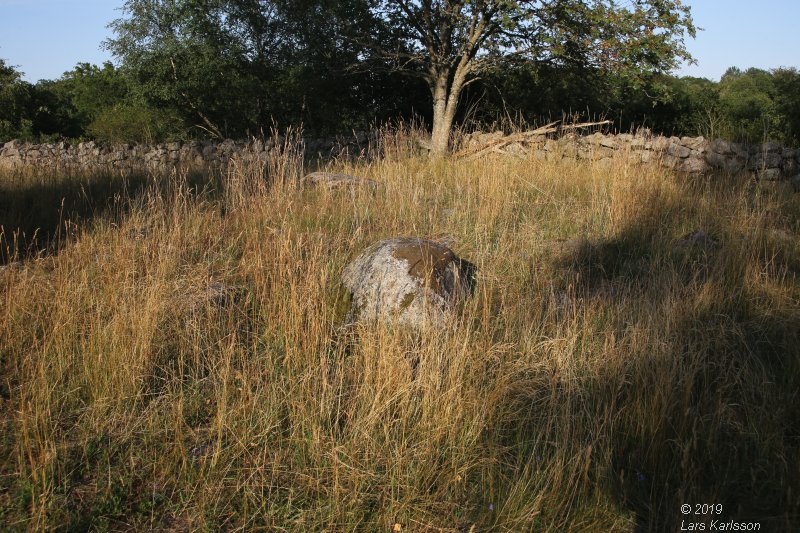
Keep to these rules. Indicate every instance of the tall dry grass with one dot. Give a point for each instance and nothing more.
(593, 386)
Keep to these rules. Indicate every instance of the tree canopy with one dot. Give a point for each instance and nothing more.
(232, 67)
(450, 42)
(15, 102)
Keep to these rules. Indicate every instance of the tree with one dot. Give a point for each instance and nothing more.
(68, 105)
(449, 42)
(748, 101)
(787, 101)
(327, 85)
(236, 67)
(92, 88)
(212, 60)
(671, 106)
(16, 97)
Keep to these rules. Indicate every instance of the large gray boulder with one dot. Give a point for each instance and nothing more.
(408, 281)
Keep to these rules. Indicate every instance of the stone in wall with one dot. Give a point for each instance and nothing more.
(765, 160)
(678, 151)
(722, 162)
(720, 147)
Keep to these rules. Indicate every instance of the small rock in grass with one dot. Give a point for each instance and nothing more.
(214, 294)
(796, 183)
(571, 249)
(10, 266)
(769, 174)
(697, 239)
(334, 181)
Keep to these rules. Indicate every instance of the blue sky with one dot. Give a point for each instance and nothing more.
(45, 38)
(744, 33)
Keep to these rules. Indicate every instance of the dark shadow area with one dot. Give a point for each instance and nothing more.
(41, 211)
(710, 412)
(730, 372)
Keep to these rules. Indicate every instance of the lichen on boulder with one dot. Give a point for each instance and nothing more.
(408, 281)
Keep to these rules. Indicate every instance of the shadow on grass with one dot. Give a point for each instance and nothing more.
(709, 414)
(40, 212)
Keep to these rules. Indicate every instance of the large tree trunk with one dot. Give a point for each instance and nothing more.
(440, 134)
(445, 103)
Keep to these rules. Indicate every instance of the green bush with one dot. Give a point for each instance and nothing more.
(135, 123)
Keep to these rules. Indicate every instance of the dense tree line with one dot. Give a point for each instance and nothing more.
(748, 106)
(235, 68)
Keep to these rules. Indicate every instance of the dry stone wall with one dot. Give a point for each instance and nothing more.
(165, 157)
(693, 155)
(685, 154)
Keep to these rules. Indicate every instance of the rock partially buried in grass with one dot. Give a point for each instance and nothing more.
(213, 295)
(796, 183)
(569, 249)
(335, 181)
(697, 239)
(408, 281)
(10, 266)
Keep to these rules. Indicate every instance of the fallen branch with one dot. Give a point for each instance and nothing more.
(496, 145)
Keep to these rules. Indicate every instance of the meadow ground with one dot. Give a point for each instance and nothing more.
(590, 386)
